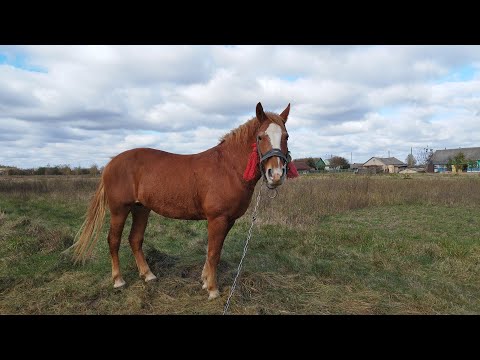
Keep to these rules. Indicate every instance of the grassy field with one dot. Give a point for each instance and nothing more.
(327, 244)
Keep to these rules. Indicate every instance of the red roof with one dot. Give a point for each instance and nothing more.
(301, 165)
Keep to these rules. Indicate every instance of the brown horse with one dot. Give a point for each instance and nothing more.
(209, 185)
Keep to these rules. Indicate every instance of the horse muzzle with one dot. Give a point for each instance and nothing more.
(275, 176)
(274, 172)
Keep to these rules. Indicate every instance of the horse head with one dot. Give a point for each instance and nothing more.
(271, 141)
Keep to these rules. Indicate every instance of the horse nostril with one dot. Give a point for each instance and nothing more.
(269, 172)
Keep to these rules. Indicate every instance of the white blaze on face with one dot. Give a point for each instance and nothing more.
(274, 133)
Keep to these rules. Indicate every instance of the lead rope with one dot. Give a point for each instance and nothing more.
(254, 217)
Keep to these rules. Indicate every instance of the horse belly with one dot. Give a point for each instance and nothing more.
(178, 213)
(175, 207)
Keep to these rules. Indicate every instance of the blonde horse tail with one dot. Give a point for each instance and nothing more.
(92, 226)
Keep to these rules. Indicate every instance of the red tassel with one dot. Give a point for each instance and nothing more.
(292, 171)
(252, 166)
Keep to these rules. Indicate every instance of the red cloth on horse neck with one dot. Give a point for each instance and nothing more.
(292, 170)
(252, 166)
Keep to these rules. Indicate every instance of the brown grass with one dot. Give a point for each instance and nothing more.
(327, 244)
(72, 187)
(304, 201)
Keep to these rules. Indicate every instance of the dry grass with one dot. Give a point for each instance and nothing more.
(328, 244)
(64, 187)
(305, 200)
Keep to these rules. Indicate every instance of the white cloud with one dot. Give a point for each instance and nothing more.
(90, 102)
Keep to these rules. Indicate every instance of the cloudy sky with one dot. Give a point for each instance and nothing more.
(80, 105)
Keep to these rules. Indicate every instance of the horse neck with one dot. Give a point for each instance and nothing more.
(238, 154)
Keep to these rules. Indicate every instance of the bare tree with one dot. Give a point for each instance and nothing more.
(410, 160)
(423, 156)
(311, 163)
(94, 170)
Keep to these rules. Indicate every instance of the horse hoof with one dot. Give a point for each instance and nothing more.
(204, 286)
(119, 283)
(150, 277)
(213, 294)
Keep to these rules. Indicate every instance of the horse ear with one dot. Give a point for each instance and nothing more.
(260, 113)
(284, 114)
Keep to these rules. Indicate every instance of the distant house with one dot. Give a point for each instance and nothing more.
(316, 161)
(438, 162)
(302, 166)
(327, 164)
(388, 165)
(320, 164)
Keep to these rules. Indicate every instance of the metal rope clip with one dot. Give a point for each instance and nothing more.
(275, 193)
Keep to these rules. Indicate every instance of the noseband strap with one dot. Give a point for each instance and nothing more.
(271, 153)
(268, 155)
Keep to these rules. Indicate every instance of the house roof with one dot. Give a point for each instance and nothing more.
(320, 162)
(391, 161)
(301, 165)
(388, 161)
(441, 157)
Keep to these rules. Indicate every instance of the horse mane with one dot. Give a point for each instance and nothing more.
(244, 132)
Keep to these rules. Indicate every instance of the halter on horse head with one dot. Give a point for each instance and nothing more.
(270, 152)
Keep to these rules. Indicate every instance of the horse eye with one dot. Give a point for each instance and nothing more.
(259, 137)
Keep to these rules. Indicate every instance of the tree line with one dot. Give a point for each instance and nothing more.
(52, 170)
(335, 162)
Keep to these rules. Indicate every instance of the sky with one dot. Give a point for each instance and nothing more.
(81, 105)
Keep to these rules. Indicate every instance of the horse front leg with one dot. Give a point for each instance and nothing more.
(218, 229)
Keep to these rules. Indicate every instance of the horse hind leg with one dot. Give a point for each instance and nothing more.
(140, 219)
(117, 222)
